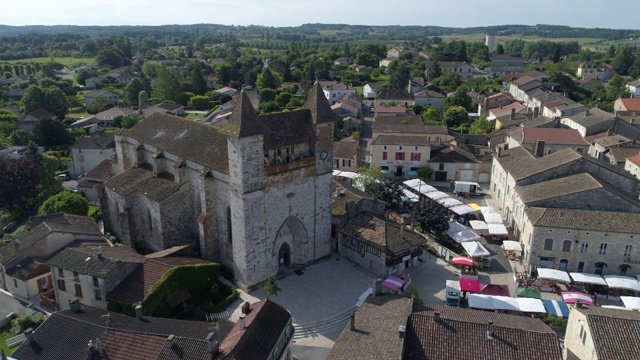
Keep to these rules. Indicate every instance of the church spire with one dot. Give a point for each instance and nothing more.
(243, 121)
(319, 106)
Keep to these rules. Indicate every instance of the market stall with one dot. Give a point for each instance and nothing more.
(479, 226)
(487, 210)
(492, 218)
(449, 202)
(465, 236)
(455, 227)
(494, 289)
(570, 297)
(631, 302)
(394, 284)
(505, 303)
(622, 282)
(555, 275)
(475, 249)
(469, 285)
(409, 197)
(435, 195)
(419, 186)
(585, 278)
(556, 308)
(528, 293)
(477, 301)
(512, 249)
(530, 305)
(462, 260)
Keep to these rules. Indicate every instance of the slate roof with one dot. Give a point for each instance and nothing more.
(428, 94)
(319, 107)
(402, 140)
(620, 154)
(563, 186)
(243, 121)
(193, 141)
(96, 93)
(85, 260)
(592, 117)
(287, 128)
(98, 141)
(394, 124)
(399, 120)
(113, 112)
(523, 80)
(142, 181)
(521, 164)
(103, 171)
(263, 326)
(612, 331)
(608, 221)
(29, 268)
(464, 331)
(452, 154)
(376, 330)
(345, 148)
(394, 94)
(383, 235)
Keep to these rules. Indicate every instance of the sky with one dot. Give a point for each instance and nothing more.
(618, 14)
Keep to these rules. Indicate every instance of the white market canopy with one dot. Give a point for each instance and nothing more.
(487, 210)
(478, 225)
(497, 229)
(462, 209)
(493, 218)
(479, 301)
(631, 302)
(464, 236)
(347, 174)
(622, 282)
(455, 227)
(419, 185)
(475, 249)
(552, 274)
(505, 303)
(585, 278)
(531, 305)
(435, 195)
(510, 245)
(449, 202)
(409, 196)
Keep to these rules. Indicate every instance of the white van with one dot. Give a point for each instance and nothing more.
(467, 187)
(452, 297)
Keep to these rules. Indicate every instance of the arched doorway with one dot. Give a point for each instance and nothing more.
(284, 256)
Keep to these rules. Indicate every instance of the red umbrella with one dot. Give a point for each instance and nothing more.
(469, 285)
(462, 260)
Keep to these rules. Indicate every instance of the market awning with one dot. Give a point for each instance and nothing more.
(497, 229)
(413, 173)
(462, 260)
(493, 218)
(345, 174)
(335, 172)
(478, 301)
(409, 196)
(435, 195)
(531, 305)
(528, 293)
(469, 285)
(631, 302)
(449, 202)
(557, 275)
(510, 245)
(570, 297)
(505, 303)
(475, 249)
(556, 308)
(393, 283)
(464, 236)
(475, 206)
(462, 209)
(478, 225)
(622, 282)
(455, 227)
(586, 278)
(487, 210)
(419, 185)
(494, 289)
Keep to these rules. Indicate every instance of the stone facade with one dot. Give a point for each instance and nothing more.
(254, 195)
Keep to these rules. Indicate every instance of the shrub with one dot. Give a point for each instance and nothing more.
(23, 322)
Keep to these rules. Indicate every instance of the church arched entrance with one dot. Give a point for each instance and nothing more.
(290, 245)
(284, 256)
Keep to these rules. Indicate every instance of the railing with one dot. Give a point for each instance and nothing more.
(48, 298)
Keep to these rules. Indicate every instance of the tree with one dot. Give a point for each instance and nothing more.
(33, 99)
(267, 94)
(166, 86)
(431, 115)
(269, 107)
(399, 74)
(500, 49)
(283, 98)
(268, 79)
(623, 60)
(459, 98)
(132, 91)
(56, 101)
(271, 287)
(367, 59)
(200, 102)
(455, 116)
(367, 178)
(431, 216)
(21, 137)
(435, 71)
(425, 173)
(198, 82)
(449, 81)
(66, 202)
(389, 190)
(480, 126)
(50, 133)
(18, 181)
(126, 122)
(143, 98)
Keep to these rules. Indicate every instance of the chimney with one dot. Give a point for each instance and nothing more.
(536, 111)
(586, 113)
(377, 287)
(99, 255)
(91, 350)
(139, 312)
(30, 337)
(513, 114)
(402, 230)
(436, 316)
(539, 148)
(489, 330)
(499, 151)
(212, 343)
(74, 305)
(246, 308)
(241, 321)
(170, 341)
(579, 304)
(352, 321)
(402, 330)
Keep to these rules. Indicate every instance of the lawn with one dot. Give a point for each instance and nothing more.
(66, 61)
(5, 333)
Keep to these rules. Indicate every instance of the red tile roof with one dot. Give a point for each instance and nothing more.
(635, 159)
(116, 345)
(631, 104)
(553, 136)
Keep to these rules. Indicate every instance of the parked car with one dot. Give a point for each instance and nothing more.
(63, 177)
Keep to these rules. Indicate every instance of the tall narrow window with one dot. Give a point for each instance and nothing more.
(584, 247)
(384, 155)
(627, 251)
(603, 249)
(566, 246)
(548, 244)
(78, 290)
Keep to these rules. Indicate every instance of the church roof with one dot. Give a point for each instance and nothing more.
(142, 181)
(243, 121)
(287, 128)
(320, 109)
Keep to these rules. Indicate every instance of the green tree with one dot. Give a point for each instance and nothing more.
(425, 173)
(623, 60)
(431, 115)
(480, 126)
(399, 74)
(271, 287)
(500, 49)
(200, 102)
(66, 202)
(166, 87)
(55, 101)
(21, 137)
(18, 181)
(126, 122)
(132, 91)
(51, 133)
(431, 216)
(367, 178)
(459, 98)
(268, 79)
(33, 99)
(367, 59)
(448, 82)
(198, 82)
(183, 98)
(143, 98)
(267, 94)
(283, 98)
(388, 190)
(411, 290)
(455, 116)
(269, 107)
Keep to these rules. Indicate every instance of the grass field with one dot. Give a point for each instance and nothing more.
(4, 335)
(66, 61)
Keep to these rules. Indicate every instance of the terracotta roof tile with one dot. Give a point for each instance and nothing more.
(631, 104)
(382, 234)
(611, 330)
(553, 136)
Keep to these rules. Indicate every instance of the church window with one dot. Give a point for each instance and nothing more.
(229, 234)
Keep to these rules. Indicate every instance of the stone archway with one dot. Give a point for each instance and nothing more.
(284, 256)
(293, 234)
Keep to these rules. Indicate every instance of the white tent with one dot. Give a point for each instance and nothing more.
(478, 225)
(487, 210)
(336, 172)
(510, 245)
(585, 278)
(622, 282)
(475, 249)
(478, 301)
(551, 274)
(435, 195)
(631, 302)
(462, 209)
(449, 202)
(419, 186)
(493, 218)
(455, 227)
(464, 236)
(531, 305)
(497, 229)
(409, 196)
(505, 303)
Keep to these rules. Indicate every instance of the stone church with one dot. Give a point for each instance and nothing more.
(253, 194)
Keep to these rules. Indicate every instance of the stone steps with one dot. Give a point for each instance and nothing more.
(340, 320)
